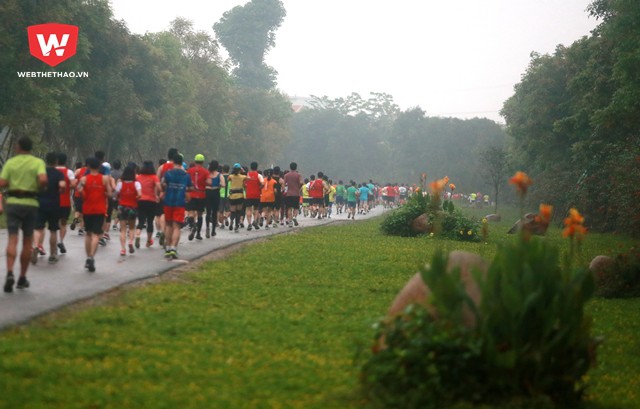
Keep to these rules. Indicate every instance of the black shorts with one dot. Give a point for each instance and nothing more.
(292, 202)
(93, 223)
(351, 205)
(159, 209)
(127, 214)
(113, 205)
(252, 202)
(267, 205)
(340, 200)
(64, 214)
(319, 201)
(48, 216)
(21, 217)
(195, 204)
(77, 204)
(278, 201)
(236, 202)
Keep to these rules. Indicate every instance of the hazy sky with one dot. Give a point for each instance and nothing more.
(451, 57)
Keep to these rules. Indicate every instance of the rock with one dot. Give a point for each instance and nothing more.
(417, 292)
(531, 223)
(493, 217)
(600, 264)
(421, 224)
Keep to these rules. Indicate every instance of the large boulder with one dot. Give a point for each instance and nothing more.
(421, 224)
(417, 292)
(600, 265)
(531, 223)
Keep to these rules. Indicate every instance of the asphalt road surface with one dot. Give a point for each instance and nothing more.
(56, 285)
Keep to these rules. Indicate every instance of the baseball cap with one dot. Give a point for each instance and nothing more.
(237, 166)
(199, 158)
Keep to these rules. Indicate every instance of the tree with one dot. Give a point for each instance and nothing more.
(493, 166)
(248, 33)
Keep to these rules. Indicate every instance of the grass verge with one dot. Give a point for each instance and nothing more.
(276, 325)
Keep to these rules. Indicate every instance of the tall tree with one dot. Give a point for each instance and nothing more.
(493, 166)
(248, 33)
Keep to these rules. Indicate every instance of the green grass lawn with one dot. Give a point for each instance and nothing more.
(279, 324)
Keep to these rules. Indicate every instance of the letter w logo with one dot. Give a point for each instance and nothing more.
(61, 38)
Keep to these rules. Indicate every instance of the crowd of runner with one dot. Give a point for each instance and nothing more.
(101, 197)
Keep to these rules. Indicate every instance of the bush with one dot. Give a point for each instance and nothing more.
(532, 339)
(622, 278)
(447, 221)
(398, 222)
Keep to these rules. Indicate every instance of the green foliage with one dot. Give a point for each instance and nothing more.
(573, 119)
(622, 278)
(532, 337)
(447, 221)
(457, 226)
(398, 222)
(426, 363)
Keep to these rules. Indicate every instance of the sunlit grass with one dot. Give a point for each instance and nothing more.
(276, 325)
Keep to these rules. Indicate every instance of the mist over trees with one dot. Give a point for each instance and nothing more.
(572, 122)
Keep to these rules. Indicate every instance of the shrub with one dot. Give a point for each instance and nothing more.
(532, 339)
(397, 223)
(622, 278)
(447, 221)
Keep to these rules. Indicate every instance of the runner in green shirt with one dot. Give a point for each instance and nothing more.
(23, 175)
(352, 198)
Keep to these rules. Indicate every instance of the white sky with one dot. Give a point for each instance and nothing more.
(457, 58)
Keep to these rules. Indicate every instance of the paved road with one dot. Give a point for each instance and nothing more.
(54, 286)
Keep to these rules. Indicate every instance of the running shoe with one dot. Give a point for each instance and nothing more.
(249, 228)
(137, 242)
(174, 255)
(161, 241)
(149, 242)
(123, 252)
(75, 221)
(198, 236)
(167, 254)
(157, 235)
(295, 221)
(237, 230)
(226, 222)
(192, 233)
(81, 232)
(102, 241)
(256, 226)
(207, 233)
(53, 259)
(91, 265)
(8, 283)
(62, 248)
(106, 236)
(230, 227)
(266, 227)
(41, 251)
(22, 283)
(34, 256)
(131, 249)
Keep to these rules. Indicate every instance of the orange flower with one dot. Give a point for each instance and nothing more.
(446, 179)
(437, 186)
(545, 213)
(574, 225)
(522, 182)
(452, 187)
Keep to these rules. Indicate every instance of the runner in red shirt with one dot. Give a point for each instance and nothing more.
(196, 205)
(316, 193)
(253, 185)
(65, 198)
(162, 169)
(129, 190)
(95, 189)
(148, 202)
